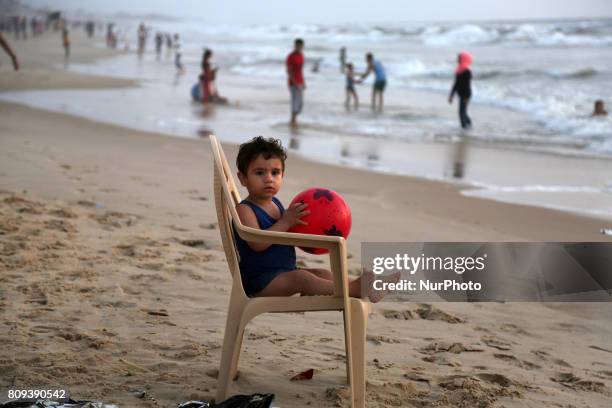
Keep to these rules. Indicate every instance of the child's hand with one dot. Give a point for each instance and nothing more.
(293, 214)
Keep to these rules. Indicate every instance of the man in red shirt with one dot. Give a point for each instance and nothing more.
(295, 74)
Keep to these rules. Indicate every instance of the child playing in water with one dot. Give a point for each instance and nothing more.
(462, 86)
(270, 270)
(178, 53)
(350, 87)
(599, 109)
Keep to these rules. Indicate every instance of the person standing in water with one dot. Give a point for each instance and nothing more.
(463, 88)
(380, 80)
(342, 59)
(159, 40)
(350, 88)
(66, 43)
(295, 74)
(178, 52)
(142, 39)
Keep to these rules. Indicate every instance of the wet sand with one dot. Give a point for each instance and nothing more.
(114, 284)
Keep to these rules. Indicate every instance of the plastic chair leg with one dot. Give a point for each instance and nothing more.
(359, 319)
(238, 346)
(232, 342)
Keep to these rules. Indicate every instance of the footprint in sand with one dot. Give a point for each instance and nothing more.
(86, 203)
(210, 226)
(138, 252)
(562, 363)
(456, 348)
(605, 374)
(441, 360)
(189, 273)
(63, 213)
(156, 312)
(496, 343)
(378, 339)
(424, 311)
(398, 314)
(513, 329)
(151, 266)
(42, 329)
(196, 259)
(194, 243)
(115, 219)
(23, 206)
(178, 229)
(190, 351)
(576, 383)
(515, 361)
(600, 349)
(429, 312)
(541, 353)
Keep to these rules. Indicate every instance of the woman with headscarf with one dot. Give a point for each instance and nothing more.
(463, 88)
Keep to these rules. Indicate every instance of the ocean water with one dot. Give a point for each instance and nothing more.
(534, 140)
(552, 71)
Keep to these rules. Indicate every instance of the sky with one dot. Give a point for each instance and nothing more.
(343, 11)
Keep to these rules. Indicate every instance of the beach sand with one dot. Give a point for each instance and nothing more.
(114, 284)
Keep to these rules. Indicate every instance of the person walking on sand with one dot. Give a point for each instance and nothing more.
(342, 59)
(295, 79)
(380, 80)
(7, 48)
(462, 86)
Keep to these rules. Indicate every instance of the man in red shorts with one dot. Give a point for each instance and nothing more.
(295, 74)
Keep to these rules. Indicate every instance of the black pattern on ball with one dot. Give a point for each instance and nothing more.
(319, 192)
(333, 231)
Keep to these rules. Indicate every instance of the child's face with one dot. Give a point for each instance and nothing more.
(264, 177)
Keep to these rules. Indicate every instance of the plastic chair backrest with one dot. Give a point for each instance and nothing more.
(226, 199)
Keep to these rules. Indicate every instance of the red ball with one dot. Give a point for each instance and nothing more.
(329, 215)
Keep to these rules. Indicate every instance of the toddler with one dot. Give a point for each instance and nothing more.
(270, 269)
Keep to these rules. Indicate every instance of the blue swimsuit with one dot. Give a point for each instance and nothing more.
(257, 269)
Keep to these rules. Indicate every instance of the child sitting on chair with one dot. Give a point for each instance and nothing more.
(270, 269)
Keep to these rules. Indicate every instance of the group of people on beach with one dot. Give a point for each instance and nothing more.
(18, 25)
(462, 85)
(295, 64)
(296, 83)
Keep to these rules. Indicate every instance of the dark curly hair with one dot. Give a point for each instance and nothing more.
(268, 148)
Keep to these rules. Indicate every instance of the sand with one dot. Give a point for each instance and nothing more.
(114, 284)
